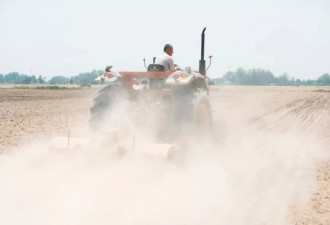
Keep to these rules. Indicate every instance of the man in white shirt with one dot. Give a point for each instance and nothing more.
(166, 59)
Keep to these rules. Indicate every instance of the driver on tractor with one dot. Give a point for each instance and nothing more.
(165, 59)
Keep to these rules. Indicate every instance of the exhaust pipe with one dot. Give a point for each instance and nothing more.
(202, 61)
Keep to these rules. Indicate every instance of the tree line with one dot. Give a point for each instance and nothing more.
(16, 78)
(266, 77)
(238, 77)
(81, 78)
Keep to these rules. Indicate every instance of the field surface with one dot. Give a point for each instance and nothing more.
(293, 122)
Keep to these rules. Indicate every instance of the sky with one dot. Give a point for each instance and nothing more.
(66, 37)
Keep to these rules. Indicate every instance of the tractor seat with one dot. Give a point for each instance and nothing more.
(156, 83)
(156, 67)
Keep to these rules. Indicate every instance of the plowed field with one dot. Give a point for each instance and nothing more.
(274, 152)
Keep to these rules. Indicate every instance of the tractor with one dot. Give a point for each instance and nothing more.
(177, 101)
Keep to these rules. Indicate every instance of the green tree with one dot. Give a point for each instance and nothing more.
(324, 79)
(298, 82)
(40, 80)
(283, 80)
(12, 77)
(228, 77)
(2, 79)
(309, 82)
(89, 77)
(24, 79)
(59, 80)
(33, 79)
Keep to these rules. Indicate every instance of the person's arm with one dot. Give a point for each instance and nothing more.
(171, 61)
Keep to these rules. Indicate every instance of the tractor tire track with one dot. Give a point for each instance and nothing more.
(306, 115)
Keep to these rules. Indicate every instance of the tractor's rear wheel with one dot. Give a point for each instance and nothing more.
(192, 111)
(192, 122)
(103, 103)
(201, 115)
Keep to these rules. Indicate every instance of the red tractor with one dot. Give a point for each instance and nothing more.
(179, 98)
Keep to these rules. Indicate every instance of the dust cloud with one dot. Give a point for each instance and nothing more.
(254, 176)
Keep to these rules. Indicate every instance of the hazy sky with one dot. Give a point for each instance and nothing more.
(65, 37)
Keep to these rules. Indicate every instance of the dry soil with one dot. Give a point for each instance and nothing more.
(29, 114)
